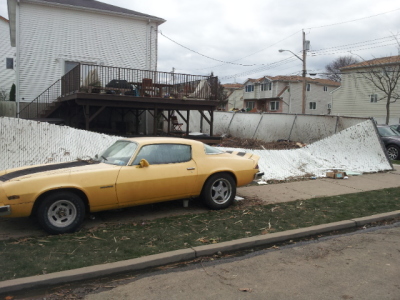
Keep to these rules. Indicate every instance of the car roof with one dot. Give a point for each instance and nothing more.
(165, 140)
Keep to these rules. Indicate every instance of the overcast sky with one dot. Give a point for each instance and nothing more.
(240, 39)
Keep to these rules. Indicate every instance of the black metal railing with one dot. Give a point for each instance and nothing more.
(86, 78)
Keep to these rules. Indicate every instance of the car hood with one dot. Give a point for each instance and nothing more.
(43, 170)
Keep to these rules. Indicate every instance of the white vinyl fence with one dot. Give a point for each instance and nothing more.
(356, 148)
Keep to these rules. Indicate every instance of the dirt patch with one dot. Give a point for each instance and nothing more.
(234, 142)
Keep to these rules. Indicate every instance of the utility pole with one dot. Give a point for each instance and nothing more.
(306, 47)
(303, 108)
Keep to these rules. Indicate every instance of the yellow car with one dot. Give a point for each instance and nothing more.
(130, 172)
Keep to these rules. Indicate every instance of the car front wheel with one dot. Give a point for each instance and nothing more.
(219, 191)
(61, 212)
(393, 152)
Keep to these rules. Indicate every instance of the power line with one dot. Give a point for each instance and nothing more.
(368, 42)
(355, 20)
(225, 62)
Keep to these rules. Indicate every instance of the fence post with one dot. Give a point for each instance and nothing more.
(294, 121)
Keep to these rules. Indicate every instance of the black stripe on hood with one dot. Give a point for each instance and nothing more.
(45, 168)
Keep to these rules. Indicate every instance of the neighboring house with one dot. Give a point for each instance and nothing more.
(283, 94)
(234, 93)
(7, 55)
(358, 97)
(53, 36)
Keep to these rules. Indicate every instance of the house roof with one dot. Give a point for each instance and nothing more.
(233, 85)
(97, 5)
(3, 19)
(93, 5)
(320, 81)
(389, 60)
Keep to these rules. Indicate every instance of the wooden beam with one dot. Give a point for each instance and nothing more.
(96, 113)
(212, 123)
(204, 116)
(183, 118)
(187, 123)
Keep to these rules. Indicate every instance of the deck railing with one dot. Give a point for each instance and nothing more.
(86, 78)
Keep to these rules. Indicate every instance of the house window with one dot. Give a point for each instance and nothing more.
(373, 98)
(313, 105)
(250, 105)
(274, 105)
(249, 88)
(266, 86)
(325, 88)
(308, 87)
(9, 63)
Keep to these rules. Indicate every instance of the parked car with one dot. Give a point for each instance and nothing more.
(130, 172)
(395, 127)
(391, 140)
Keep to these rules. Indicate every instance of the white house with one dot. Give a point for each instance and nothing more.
(7, 56)
(53, 36)
(283, 94)
(234, 93)
(359, 97)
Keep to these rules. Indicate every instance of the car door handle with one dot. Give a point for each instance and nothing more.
(190, 169)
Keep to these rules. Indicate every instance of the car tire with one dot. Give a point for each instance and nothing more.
(393, 152)
(61, 212)
(219, 191)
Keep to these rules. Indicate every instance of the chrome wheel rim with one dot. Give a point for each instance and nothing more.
(392, 153)
(221, 191)
(62, 213)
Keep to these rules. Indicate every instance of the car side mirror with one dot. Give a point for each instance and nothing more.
(143, 163)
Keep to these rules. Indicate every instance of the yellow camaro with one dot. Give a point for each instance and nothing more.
(130, 172)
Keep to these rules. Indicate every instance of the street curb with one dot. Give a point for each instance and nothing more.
(17, 285)
(375, 218)
(63, 277)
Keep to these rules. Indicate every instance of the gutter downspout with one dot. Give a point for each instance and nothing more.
(332, 98)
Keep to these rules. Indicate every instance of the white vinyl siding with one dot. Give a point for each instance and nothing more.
(7, 75)
(354, 99)
(52, 35)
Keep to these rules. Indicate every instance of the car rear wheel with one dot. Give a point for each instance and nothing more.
(393, 152)
(61, 212)
(219, 191)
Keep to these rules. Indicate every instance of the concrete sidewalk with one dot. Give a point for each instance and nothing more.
(271, 193)
(322, 187)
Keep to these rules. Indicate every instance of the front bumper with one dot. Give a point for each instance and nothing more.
(258, 175)
(5, 210)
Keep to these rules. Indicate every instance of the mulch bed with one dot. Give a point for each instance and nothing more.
(233, 142)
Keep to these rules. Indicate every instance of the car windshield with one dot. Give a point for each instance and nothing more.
(387, 131)
(119, 153)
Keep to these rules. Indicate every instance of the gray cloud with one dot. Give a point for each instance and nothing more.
(230, 30)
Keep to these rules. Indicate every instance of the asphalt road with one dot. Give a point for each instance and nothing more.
(360, 265)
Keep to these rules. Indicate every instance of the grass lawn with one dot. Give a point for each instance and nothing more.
(34, 256)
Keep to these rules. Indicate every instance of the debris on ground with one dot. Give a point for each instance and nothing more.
(254, 144)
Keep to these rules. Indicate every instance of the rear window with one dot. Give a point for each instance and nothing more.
(211, 150)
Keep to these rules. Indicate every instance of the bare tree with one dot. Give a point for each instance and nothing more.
(384, 75)
(3, 94)
(333, 69)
